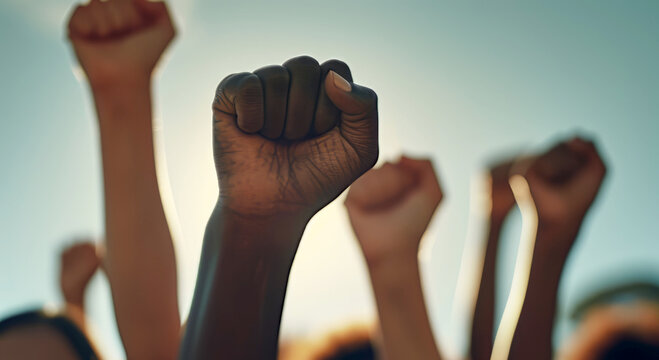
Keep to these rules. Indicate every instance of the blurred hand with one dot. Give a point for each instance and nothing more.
(391, 207)
(120, 40)
(501, 195)
(289, 139)
(78, 263)
(564, 183)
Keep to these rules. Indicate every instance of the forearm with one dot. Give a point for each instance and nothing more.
(77, 315)
(406, 329)
(241, 286)
(483, 320)
(534, 330)
(140, 260)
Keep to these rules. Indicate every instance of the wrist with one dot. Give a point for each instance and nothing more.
(120, 88)
(276, 234)
(117, 84)
(74, 298)
(393, 266)
(560, 223)
(396, 253)
(247, 202)
(553, 244)
(124, 108)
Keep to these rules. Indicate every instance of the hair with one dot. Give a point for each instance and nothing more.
(353, 342)
(58, 323)
(631, 347)
(616, 331)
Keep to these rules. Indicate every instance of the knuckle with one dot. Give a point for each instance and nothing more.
(250, 95)
(223, 84)
(303, 62)
(275, 73)
(371, 96)
(339, 67)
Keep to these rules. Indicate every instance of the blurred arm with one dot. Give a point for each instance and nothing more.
(555, 195)
(118, 43)
(482, 329)
(533, 334)
(402, 310)
(390, 209)
(501, 202)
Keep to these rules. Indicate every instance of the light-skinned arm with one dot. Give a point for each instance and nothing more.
(78, 264)
(118, 44)
(390, 209)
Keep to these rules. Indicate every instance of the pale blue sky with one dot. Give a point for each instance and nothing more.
(459, 82)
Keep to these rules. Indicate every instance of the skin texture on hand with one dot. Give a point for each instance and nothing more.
(562, 185)
(295, 168)
(287, 141)
(119, 40)
(502, 201)
(118, 43)
(390, 209)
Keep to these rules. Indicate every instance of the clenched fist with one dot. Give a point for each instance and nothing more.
(289, 139)
(391, 207)
(565, 180)
(502, 199)
(563, 183)
(118, 40)
(78, 264)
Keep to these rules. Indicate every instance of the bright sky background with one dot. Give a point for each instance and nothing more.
(459, 82)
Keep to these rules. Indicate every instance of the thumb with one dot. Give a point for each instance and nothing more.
(359, 114)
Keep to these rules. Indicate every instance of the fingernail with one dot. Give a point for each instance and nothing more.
(340, 82)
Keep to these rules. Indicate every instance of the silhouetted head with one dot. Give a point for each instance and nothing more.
(37, 335)
(617, 322)
(631, 347)
(354, 342)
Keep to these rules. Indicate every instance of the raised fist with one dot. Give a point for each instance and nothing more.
(391, 207)
(501, 199)
(120, 40)
(291, 138)
(78, 263)
(564, 182)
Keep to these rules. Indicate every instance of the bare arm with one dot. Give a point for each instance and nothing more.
(482, 329)
(501, 202)
(556, 193)
(241, 286)
(78, 264)
(390, 209)
(406, 329)
(540, 302)
(269, 189)
(140, 260)
(118, 42)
